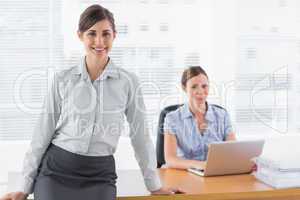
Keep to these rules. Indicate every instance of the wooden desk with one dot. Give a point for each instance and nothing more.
(238, 187)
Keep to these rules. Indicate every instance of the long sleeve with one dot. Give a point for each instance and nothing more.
(140, 139)
(42, 136)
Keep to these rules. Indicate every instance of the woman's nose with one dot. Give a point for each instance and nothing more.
(99, 41)
(199, 90)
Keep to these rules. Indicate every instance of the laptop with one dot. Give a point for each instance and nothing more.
(230, 157)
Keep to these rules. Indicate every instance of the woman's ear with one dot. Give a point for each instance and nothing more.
(183, 88)
(80, 35)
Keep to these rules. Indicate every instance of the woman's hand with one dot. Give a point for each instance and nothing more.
(197, 164)
(14, 196)
(254, 168)
(167, 191)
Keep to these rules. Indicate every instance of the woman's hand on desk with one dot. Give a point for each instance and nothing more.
(167, 191)
(14, 196)
(197, 164)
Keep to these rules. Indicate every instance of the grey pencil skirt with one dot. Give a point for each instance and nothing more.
(63, 175)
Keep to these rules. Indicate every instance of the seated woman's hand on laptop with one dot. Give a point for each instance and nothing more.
(198, 164)
(254, 168)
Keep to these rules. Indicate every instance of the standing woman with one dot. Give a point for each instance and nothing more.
(71, 152)
(192, 127)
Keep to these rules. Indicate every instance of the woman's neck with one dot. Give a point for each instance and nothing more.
(95, 66)
(198, 110)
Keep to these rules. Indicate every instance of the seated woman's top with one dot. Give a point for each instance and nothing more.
(191, 144)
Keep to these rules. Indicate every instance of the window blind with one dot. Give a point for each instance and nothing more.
(157, 39)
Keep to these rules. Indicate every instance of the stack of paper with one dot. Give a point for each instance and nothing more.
(280, 172)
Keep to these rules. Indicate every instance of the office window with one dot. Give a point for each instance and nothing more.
(253, 61)
(249, 51)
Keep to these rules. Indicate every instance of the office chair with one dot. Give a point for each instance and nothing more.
(160, 134)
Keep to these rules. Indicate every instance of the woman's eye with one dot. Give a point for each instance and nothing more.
(91, 33)
(106, 34)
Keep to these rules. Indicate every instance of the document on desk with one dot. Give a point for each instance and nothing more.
(279, 181)
(282, 163)
(278, 172)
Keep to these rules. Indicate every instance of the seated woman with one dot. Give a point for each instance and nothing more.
(192, 127)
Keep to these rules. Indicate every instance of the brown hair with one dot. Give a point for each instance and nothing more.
(94, 14)
(190, 72)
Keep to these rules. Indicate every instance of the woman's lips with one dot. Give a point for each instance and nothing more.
(99, 50)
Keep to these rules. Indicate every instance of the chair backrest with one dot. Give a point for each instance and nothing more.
(160, 134)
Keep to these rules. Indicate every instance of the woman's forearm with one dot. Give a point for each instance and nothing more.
(179, 163)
